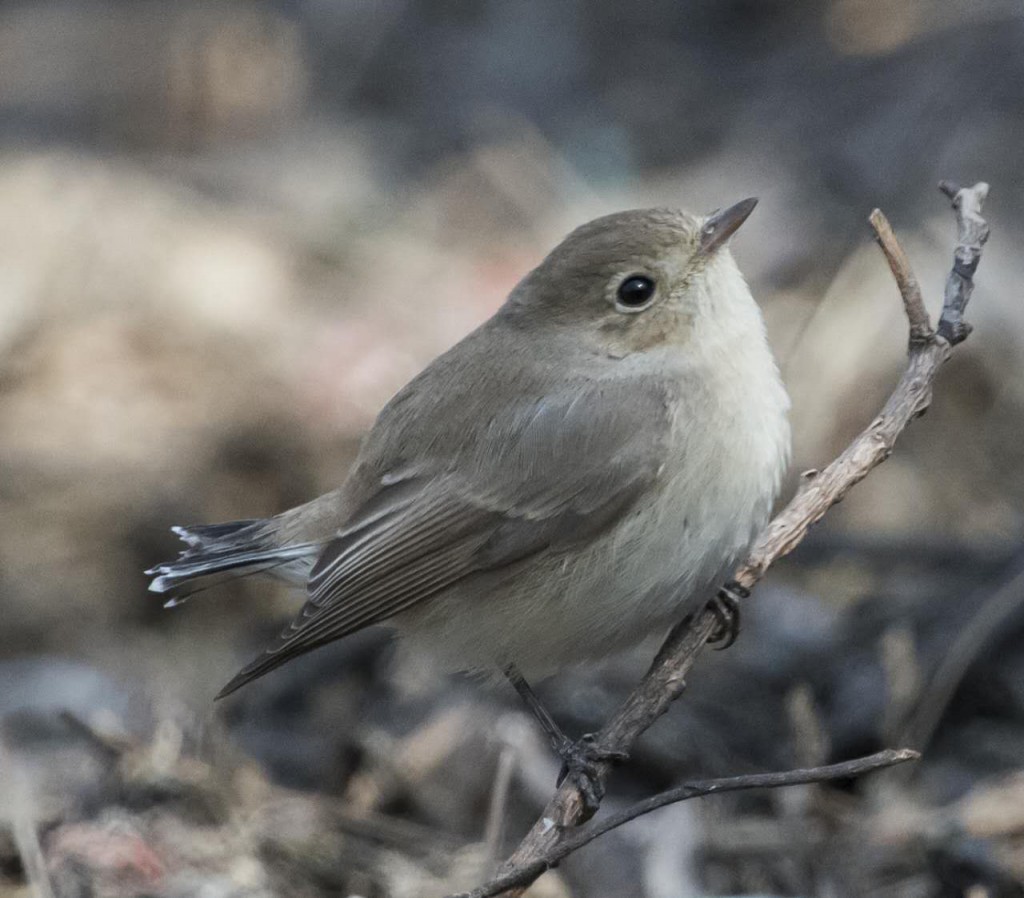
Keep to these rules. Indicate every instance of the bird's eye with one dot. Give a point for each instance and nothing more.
(635, 292)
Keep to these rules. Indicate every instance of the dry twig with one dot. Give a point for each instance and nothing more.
(664, 681)
(585, 834)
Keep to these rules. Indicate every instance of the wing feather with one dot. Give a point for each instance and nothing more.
(550, 472)
(342, 569)
(387, 597)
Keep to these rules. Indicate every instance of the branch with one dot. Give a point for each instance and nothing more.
(664, 681)
(973, 232)
(910, 290)
(579, 837)
(910, 398)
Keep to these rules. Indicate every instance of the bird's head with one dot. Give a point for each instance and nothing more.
(638, 279)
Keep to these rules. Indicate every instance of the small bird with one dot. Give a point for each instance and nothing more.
(583, 470)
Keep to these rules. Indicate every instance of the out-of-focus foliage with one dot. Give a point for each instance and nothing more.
(229, 231)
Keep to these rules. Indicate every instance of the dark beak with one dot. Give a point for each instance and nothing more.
(721, 225)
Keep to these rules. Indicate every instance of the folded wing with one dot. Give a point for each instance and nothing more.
(551, 472)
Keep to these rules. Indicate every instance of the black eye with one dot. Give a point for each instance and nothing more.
(635, 291)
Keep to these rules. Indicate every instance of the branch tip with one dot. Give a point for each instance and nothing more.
(972, 233)
(899, 264)
(514, 877)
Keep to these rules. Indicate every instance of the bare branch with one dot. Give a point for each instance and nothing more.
(819, 491)
(910, 398)
(584, 835)
(972, 232)
(660, 686)
(910, 290)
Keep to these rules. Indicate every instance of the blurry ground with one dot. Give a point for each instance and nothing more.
(229, 232)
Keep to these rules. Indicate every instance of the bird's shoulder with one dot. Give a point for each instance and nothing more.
(529, 405)
(518, 423)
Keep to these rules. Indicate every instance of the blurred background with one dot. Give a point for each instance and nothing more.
(230, 231)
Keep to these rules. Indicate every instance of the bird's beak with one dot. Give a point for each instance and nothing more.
(723, 223)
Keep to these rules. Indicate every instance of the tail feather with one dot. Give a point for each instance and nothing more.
(197, 534)
(236, 546)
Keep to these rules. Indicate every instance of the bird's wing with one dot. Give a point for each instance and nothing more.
(548, 473)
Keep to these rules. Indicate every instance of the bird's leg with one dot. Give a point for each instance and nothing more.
(726, 607)
(579, 757)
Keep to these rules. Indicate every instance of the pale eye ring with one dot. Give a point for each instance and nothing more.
(635, 293)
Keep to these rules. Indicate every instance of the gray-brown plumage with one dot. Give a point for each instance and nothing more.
(581, 470)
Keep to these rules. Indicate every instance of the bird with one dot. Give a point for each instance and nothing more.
(583, 470)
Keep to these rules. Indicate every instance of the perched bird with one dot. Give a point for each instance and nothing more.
(584, 469)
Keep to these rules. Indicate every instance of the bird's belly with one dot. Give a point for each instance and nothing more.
(658, 564)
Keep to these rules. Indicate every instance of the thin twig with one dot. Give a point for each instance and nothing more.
(584, 835)
(972, 233)
(664, 681)
(909, 399)
(651, 698)
(910, 290)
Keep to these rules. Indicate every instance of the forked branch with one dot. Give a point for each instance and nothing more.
(583, 835)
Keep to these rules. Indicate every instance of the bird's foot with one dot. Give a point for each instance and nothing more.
(579, 764)
(726, 607)
(579, 758)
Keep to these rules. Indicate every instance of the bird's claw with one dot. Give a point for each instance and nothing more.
(726, 607)
(579, 765)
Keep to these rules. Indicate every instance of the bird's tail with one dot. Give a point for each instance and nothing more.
(235, 548)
